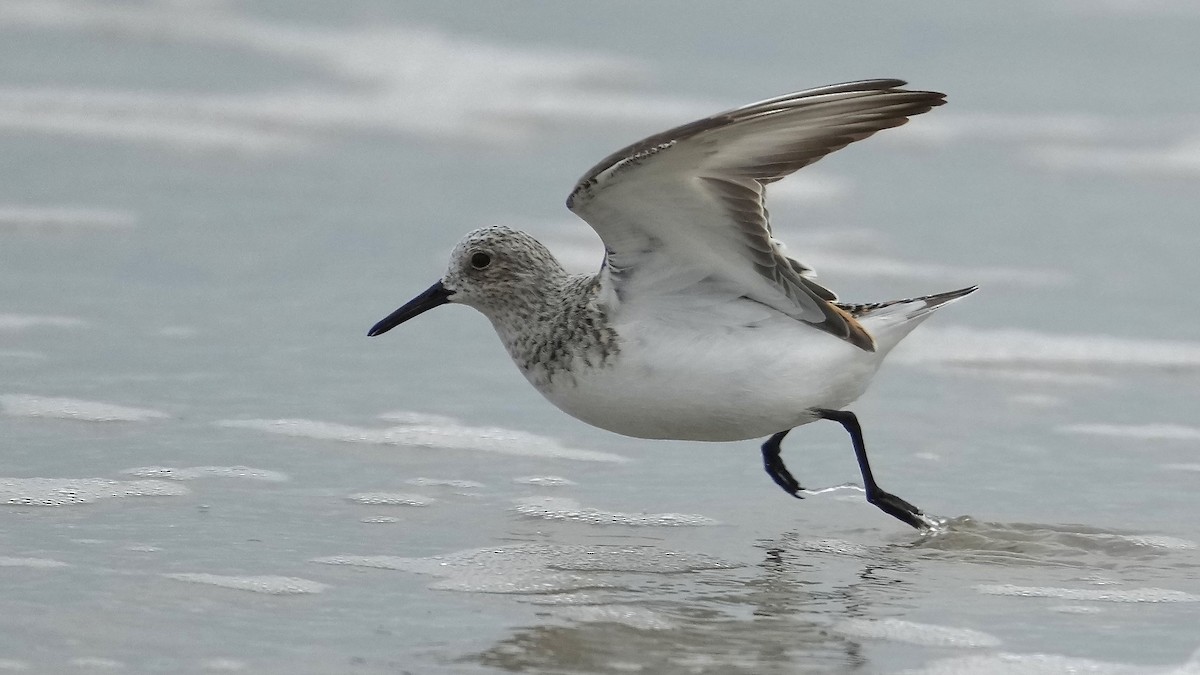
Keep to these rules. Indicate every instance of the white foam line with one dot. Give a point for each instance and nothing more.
(1009, 663)
(561, 508)
(538, 568)
(949, 126)
(1180, 159)
(962, 345)
(834, 547)
(390, 499)
(1154, 595)
(51, 492)
(197, 472)
(132, 125)
(15, 322)
(511, 569)
(388, 78)
(456, 436)
(910, 632)
(98, 663)
(1149, 432)
(411, 417)
(638, 618)
(1076, 142)
(1157, 541)
(544, 481)
(29, 217)
(1036, 400)
(21, 354)
(24, 405)
(1031, 375)
(1181, 467)
(37, 563)
(457, 483)
(270, 585)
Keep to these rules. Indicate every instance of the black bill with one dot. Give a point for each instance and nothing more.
(434, 296)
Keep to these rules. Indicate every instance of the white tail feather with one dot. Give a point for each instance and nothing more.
(889, 322)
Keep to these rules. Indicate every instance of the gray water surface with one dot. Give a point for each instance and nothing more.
(209, 468)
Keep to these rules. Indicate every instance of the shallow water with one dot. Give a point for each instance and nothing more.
(209, 468)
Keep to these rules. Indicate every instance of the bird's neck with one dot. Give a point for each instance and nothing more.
(564, 328)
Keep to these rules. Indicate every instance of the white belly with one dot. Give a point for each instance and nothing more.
(714, 383)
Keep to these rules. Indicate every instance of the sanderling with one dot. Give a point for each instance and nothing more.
(698, 326)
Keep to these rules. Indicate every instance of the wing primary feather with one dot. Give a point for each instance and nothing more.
(692, 197)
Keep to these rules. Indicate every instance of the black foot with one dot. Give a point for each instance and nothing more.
(898, 508)
(886, 501)
(773, 463)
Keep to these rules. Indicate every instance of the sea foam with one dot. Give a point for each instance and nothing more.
(270, 585)
(899, 630)
(30, 218)
(561, 508)
(25, 405)
(197, 472)
(1144, 432)
(974, 346)
(371, 78)
(448, 434)
(16, 322)
(71, 491)
(538, 568)
(1133, 595)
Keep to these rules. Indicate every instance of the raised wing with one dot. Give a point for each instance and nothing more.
(692, 197)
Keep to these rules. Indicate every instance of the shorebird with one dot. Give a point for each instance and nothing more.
(698, 325)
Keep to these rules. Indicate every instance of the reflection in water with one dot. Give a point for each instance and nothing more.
(815, 605)
(774, 618)
(966, 539)
(706, 638)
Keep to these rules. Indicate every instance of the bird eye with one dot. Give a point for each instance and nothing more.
(480, 260)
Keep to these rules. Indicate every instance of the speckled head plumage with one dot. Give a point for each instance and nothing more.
(497, 270)
(497, 267)
(546, 318)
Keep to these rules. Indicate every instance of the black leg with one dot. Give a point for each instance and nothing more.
(886, 501)
(773, 463)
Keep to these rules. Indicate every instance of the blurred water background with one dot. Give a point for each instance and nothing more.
(207, 466)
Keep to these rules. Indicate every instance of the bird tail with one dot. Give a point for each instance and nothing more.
(888, 322)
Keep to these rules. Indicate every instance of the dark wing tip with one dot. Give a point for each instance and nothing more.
(917, 101)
